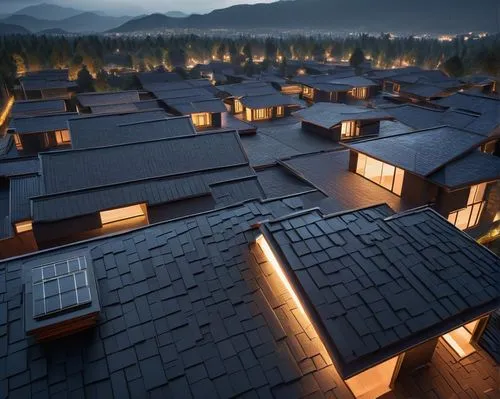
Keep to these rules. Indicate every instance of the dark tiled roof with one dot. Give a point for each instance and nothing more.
(182, 316)
(51, 74)
(487, 124)
(354, 81)
(346, 190)
(423, 118)
(270, 100)
(330, 87)
(157, 190)
(22, 189)
(423, 90)
(179, 86)
(277, 181)
(471, 102)
(38, 107)
(377, 285)
(192, 107)
(474, 168)
(309, 80)
(96, 131)
(40, 124)
(44, 84)
(421, 152)
(185, 93)
(81, 169)
(387, 73)
(247, 89)
(19, 166)
(110, 98)
(114, 108)
(327, 115)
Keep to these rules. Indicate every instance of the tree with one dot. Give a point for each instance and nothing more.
(270, 50)
(357, 57)
(221, 51)
(84, 80)
(453, 66)
(247, 51)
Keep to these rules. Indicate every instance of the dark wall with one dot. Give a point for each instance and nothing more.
(35, 143)
(47, 233)
(332, 134)
(217, 120)
(418, 191)
(181, 208)
(369, 128)
(418, 356)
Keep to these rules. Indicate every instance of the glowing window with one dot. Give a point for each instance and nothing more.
(469, 216)
(280, 111)
(63, 137)
(203, 119)
(349, 129)
(249, 114)
(262, 113)
(308, 92)
(128, 212)
(238, 106)
(375, 381)
(460, 339)
(385, 175)
(360, 92)
(396, 88)
(17, 141)
(23, 227)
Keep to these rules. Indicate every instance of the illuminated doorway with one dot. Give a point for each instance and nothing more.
(461, 339)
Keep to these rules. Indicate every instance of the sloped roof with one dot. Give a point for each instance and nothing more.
(247, 89)
(80, 169)
(421, 152)
(43, 84)
(22, 189)
(157, 77)
(40, 124)
(37, 107)
(354, 81)
(19, 166)
(109, 98)
(423, 90)
(471, 102)
(376, 285)
(474, 168)
(177, 86)
(327, 115)
(100, 130)
(270, 100)
(197, 106)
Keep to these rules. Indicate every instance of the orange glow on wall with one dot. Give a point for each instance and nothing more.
(460, 339)
(6, 111)
(128, 212)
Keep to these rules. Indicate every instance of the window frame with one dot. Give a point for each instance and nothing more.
(398, 176)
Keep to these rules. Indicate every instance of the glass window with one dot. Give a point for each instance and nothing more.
(470, 216)
(308, 92)
(280, 111)
(349, 129)
(360, 92)
(460, 339)
(63, 137)
(262, 113)
(388, 176)
(238, 106)
(23, 227)
(17, 141)
(202, 119)
(249, 115)
(115, 215)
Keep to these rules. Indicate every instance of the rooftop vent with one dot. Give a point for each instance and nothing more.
(60, 297)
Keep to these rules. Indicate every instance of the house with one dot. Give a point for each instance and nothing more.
(281, 84)
(38, 107)
(48, 84)
(179, 176)
(268, 106)
(92, 102)
(217, 72)
(233, 302)
(339, 88)
(191, 97)
(340, 121)
(439, 166)
(482, 84)
(470, 102)
(232, 94)
(34, 134)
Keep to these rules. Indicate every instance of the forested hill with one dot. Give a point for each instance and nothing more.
(432, 16)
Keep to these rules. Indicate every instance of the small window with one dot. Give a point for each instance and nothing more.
(116, 215)
(470, 216)
(360, 93)
(280, 111)
(18, 142)
(349, 129)
(202, 119)
(263, 113)
(23, 227)
(238, 106)
(308, 92)
(63, 137)
(249, 115)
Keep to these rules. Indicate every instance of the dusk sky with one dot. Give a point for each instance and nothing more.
(127, 6)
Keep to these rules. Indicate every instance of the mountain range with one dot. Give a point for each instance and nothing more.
(423, 16)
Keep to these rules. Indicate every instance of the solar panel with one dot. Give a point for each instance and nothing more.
(59, 286)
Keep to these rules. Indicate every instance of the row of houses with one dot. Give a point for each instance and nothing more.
(191, 240)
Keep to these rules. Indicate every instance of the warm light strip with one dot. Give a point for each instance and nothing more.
(5, 113)
(277, 268)
(454, 345)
